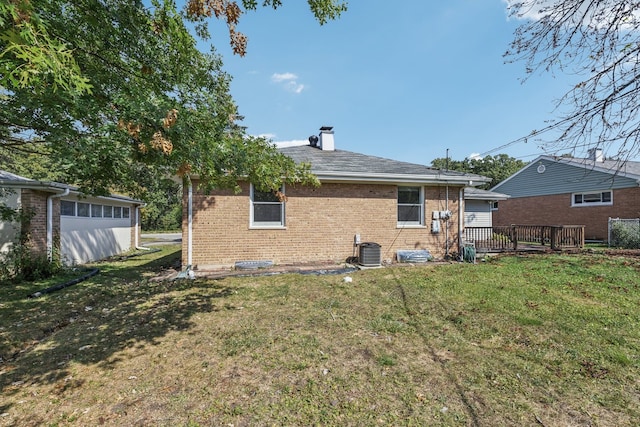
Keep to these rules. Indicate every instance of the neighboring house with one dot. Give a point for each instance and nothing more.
(366, 199)
(479, 206)
(82, 228)
(571, 191)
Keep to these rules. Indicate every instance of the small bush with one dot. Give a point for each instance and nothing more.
(625, 236)
(22, 264)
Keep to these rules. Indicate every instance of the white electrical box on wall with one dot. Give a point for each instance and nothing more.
(445, 214)
(435, 226)
(435, 215)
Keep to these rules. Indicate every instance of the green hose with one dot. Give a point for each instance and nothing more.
(469, 254)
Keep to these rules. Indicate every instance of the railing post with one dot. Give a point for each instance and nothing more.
(514, 237)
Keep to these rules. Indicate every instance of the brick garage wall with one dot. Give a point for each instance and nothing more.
(320, 225)
(557, 210)
(36, 202)
(133, 216)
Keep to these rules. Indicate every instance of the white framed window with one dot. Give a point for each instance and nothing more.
(596, 198)
(117, 211)
(410, 206)
(494, 205)
(84, 209)
(267, 208)
(67, 208)
(107, 211)
(125, 212)
(96, 211)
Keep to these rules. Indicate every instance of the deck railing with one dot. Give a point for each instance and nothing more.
(514, 237)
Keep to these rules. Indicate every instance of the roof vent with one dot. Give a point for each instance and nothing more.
(313, 141)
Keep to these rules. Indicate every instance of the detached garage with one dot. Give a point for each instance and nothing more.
(83, 228)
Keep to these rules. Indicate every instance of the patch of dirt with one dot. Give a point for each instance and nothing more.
(623, 252)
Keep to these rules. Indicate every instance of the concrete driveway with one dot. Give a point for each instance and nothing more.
(155, 239)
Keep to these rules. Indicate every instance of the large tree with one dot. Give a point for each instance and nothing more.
(106, 87)
(599, 42)
(498, 167)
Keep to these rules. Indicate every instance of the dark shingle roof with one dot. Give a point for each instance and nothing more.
(354, 166)
(625, 168)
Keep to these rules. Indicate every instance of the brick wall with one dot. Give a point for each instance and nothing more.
(320, 225)
(557, 210)
(133, 216)
(36, 202)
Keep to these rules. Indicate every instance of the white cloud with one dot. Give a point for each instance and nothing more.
(289, 81)
(276, 77)
(293, 143)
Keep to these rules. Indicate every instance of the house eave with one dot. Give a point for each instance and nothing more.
(58, 188)
(381, 178)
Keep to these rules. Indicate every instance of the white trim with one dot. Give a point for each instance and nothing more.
(589, 204)
(190, 224)
(266, 224)
(411, 224)
(50, 221)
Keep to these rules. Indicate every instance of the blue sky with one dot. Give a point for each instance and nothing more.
(406, 81)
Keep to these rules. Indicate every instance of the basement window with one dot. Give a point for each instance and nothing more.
(601, 198)
(267, 209)
(410, 203)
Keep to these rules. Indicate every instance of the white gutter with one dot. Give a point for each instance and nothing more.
(136, 234)
(50, 198)
(190, 225)
(437, 179)
(460, 220)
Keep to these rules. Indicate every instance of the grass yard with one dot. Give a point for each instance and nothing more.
(544, 340)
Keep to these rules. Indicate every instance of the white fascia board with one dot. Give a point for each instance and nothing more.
(51, 187)
(436, 179)
(56, 187)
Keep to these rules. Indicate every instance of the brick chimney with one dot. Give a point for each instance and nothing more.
(326, 138)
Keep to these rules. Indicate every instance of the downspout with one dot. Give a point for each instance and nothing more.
(50, 221)
(137, 234)
(460, 220)
(190, 225)
(446, 222)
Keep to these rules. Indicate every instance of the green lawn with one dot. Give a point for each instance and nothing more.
(537, 340)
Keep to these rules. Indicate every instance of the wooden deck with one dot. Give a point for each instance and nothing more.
(525, 238)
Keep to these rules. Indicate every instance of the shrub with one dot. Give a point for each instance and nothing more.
(625, 235)
(21, 262)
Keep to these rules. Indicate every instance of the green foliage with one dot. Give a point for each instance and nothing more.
(21, 262)
(625, 235)
(31, 57)
(106, 88)
(498, 167)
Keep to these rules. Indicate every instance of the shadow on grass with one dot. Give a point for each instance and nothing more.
(109, 317)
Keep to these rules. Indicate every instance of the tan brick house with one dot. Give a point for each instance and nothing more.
(361, 199)
(82, 228)
(571, 191)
